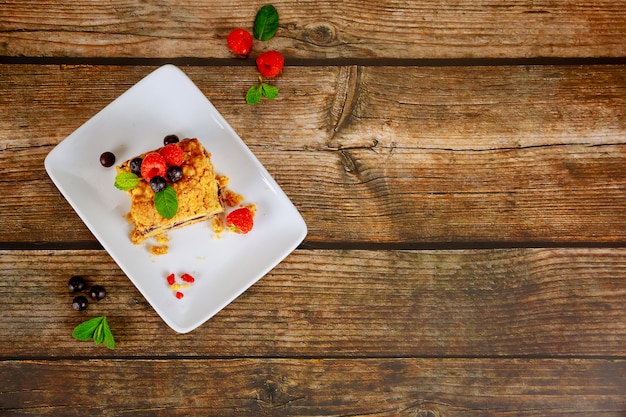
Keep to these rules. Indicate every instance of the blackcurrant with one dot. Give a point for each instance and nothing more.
(76, 284)
(97, 292)
(174, 173)
(79, 303)
(170, 139)
(107, 159)
(158, 183)
(135, 165)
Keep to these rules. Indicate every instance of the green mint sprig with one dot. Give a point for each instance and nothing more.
(166, 202)
(96, 328)
(126, 181)
(262, 89)
(265, 23)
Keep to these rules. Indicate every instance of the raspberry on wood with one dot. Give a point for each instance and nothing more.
(270, 63)
(239, 42)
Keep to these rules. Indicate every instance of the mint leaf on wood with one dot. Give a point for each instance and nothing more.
(96, 328)
(166, 202)
(257, 91)
(109, 342)
(98, 334)
(85, 330)
(265, 23)
(269, 91)
(253, 96)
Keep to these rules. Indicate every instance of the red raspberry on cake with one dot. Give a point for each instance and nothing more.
(270, 63)
(239, 42)
(153, 165)
(172, 154)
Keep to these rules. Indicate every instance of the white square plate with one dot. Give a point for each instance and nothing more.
(167, 102)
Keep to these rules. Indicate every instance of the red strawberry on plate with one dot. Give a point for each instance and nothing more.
(239, 42)
(240, 220)
(270, 63)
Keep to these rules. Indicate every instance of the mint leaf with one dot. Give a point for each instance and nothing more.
(85, 330)
(253, 96)
(96, 328)
(265, 23)
(269, 91)
(98, 334)
(126, 181)
(166, 202)
(108, 336)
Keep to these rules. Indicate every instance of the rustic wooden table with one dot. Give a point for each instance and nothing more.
(460, 166)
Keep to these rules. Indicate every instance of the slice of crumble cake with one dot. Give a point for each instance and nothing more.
(197, 192)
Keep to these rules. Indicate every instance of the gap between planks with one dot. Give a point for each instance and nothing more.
(390, 62)
(373, 246)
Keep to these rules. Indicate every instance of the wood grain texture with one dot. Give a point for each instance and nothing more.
(406, 155)
(318, 303)
(318, 29)
(464, 196)
(314, 387)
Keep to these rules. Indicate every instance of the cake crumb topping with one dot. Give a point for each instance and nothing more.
(159, 249)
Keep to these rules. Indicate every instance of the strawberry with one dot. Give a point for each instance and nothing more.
(153, 165)
(239, 42)
(172, 154)
(270, 63)
(240, 220)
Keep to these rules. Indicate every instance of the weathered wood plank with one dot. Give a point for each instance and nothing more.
(516, 302)
(314, 387)
(391, 154)
(318, 30)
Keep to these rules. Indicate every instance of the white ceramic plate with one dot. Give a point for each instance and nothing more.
(167, 102)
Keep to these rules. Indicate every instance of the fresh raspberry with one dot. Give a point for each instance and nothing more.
(187, 278)
(171, 279)
(173, 154)
(270, 63)
(240, 220)
(153, 165)
(239, 41)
